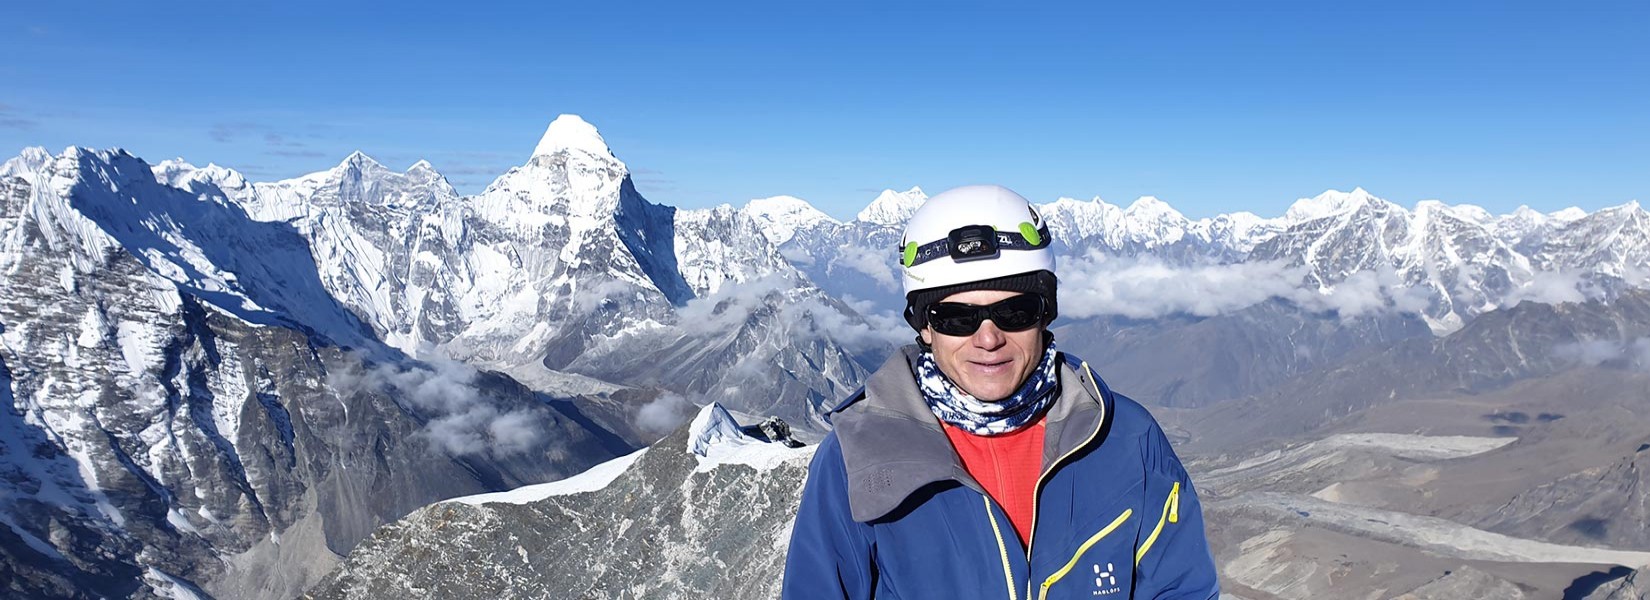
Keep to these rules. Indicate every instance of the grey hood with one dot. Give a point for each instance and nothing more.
(892, 445)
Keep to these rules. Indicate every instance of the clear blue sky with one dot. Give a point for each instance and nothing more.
(1213, 107)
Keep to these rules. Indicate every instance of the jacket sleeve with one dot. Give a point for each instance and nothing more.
(1172, 560)
(831, 555)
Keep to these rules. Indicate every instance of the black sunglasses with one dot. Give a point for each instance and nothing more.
(1015, 313)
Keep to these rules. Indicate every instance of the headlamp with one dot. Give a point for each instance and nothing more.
(973, 242)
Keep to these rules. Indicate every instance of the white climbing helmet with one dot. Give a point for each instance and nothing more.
(973, 233)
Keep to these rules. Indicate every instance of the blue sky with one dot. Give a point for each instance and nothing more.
(1213, 107)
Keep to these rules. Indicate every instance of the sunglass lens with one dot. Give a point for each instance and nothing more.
(1017, 313)
(954, 319)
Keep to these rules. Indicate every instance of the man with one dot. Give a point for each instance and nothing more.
(981, 462)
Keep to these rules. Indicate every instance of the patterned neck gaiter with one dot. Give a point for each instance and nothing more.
(957, 407)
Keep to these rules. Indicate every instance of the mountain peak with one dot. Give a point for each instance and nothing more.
(715, 438)
(713, 425)
(1330, 202)
(358, 159)
(1568, 214)
(421, 165)
(781, 216)
(892, 208)
(571, 132)
(31, 159)
(35, 154)
(1150, 207)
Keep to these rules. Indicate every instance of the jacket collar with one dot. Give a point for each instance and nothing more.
(893, 446)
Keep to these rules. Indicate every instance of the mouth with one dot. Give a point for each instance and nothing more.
(992, 367)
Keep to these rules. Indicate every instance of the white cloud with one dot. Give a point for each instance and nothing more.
(663, 414)
(731, 305)
(1370, 292)
(590, 298)
(1148, 288)
(879, 266)
(804, 314)
(1096, 285)
(860, 330)
(1592, 353)
(796, 255)
(1548, 288)
(462, 419)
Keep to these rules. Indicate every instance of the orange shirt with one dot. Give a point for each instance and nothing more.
(1007, 466)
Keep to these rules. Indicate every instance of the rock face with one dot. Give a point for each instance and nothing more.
(1630, 587)
(704, 513)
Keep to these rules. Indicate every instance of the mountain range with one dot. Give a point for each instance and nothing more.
(222, 387)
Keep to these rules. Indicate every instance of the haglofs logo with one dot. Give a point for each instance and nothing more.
(1105, 581)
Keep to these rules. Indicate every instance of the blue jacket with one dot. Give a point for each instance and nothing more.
(889, 511)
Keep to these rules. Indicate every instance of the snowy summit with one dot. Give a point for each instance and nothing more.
(782, 216)
(892, 208)
(571, 132)
(715, 438)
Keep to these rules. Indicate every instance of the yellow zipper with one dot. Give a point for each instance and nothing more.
(1037, 492)
(1008, 571)
(1171, 514)
(1043, 594)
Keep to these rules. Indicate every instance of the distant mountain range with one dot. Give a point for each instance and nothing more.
(1445, 263)
(219, 387)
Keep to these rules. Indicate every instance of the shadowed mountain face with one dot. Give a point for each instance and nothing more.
(1189, 362)
(1527, 341)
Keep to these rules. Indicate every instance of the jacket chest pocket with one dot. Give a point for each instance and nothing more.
(1100, 566)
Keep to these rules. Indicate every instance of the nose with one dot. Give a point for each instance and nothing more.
(988, 336)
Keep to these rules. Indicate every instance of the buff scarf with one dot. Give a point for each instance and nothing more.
(957, 407)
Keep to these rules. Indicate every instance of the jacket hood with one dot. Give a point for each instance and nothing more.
(893, 445)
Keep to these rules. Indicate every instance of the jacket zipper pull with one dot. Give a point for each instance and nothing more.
(1174, 503)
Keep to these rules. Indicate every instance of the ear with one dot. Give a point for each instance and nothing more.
(927, 336)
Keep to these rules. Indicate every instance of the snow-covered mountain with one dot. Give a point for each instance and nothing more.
(561, 267)
(190, 411)
(1447, 263)
(714, 504)
(781, 217)
(219, 386)
(891, 208)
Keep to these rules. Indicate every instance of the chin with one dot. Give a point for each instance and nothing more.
(992, 392)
